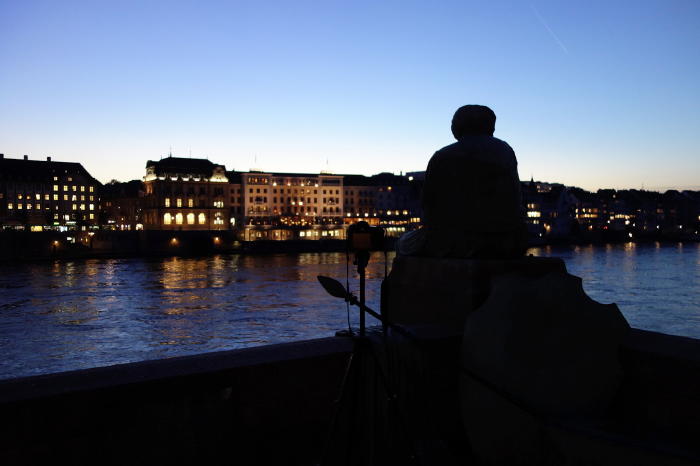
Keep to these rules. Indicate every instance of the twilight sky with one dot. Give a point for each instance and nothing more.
(592, 94)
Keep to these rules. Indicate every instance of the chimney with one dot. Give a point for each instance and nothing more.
(26, 157)
(48, 159)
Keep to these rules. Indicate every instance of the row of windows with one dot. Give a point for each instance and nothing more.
(294, 182)
(258, 180)
(293, 210)
(190, 203)
(292, 200)
(289, 191)
(47, 197)
(179, 190)
(68, 179)
(29, 205)
(74, 188)
(178, 218)
(72, 217)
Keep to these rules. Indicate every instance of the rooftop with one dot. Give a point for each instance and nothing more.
(40, 170)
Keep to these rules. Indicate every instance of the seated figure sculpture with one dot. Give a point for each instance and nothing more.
(527, 327)
(471, 197)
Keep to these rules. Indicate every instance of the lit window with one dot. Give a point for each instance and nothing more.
(65, 187)
(167, 219)
(82, 206)
(74, 187)
(65, 197)
(202, 219)
(92, 188)
(19, 206)
(46, 197)
(29, 205)
(38, 206)
(190, 219)
(178, 219)
(82, 189)
(75, 206)
(70, 179)
(74, 197)
(92, 216)
(10, 206)
(19, 196)
(55, 187)
(55, 178)
(179, 202)
(92, 206)
(190, 203)
(167, 202)
(92, 198)
(82, 197)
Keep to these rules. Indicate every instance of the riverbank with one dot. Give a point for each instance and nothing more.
(21, 246)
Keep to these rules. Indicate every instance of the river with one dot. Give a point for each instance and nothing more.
(65, 315)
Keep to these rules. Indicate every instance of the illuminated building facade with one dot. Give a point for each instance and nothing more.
(386, 200)
(359, 199)
(283, 206)
(186, 194)
(549, 209)
(42, 195)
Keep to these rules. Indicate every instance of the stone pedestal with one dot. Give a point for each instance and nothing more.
(424, 290)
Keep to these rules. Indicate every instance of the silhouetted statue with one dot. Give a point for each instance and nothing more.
(471, 197)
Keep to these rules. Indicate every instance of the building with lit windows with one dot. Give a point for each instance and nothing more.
(386, 200)
(282, 206)
(185, 194)
(359, 199)
(196, 194)
(122, 205)
(42, 195)
(549, 209)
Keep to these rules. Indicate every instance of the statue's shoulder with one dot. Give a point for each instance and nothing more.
(502, 144)
(450, 149)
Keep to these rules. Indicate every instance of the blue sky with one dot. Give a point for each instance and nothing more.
(592, 94)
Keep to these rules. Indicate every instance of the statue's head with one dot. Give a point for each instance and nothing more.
(471, 120)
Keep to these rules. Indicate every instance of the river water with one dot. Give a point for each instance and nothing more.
(67, 315)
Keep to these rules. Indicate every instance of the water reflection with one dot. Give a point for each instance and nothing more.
(75, 314)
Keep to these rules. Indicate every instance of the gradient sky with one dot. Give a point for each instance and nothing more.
(592, 94)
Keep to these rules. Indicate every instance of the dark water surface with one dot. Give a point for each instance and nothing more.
(70, 315)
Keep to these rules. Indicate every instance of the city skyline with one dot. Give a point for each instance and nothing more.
(403, 173)
(594, 96)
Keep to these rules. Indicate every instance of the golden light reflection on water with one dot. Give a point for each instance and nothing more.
(89, 313)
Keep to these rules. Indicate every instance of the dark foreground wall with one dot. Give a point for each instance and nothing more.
(273, 405)
(261, 405)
